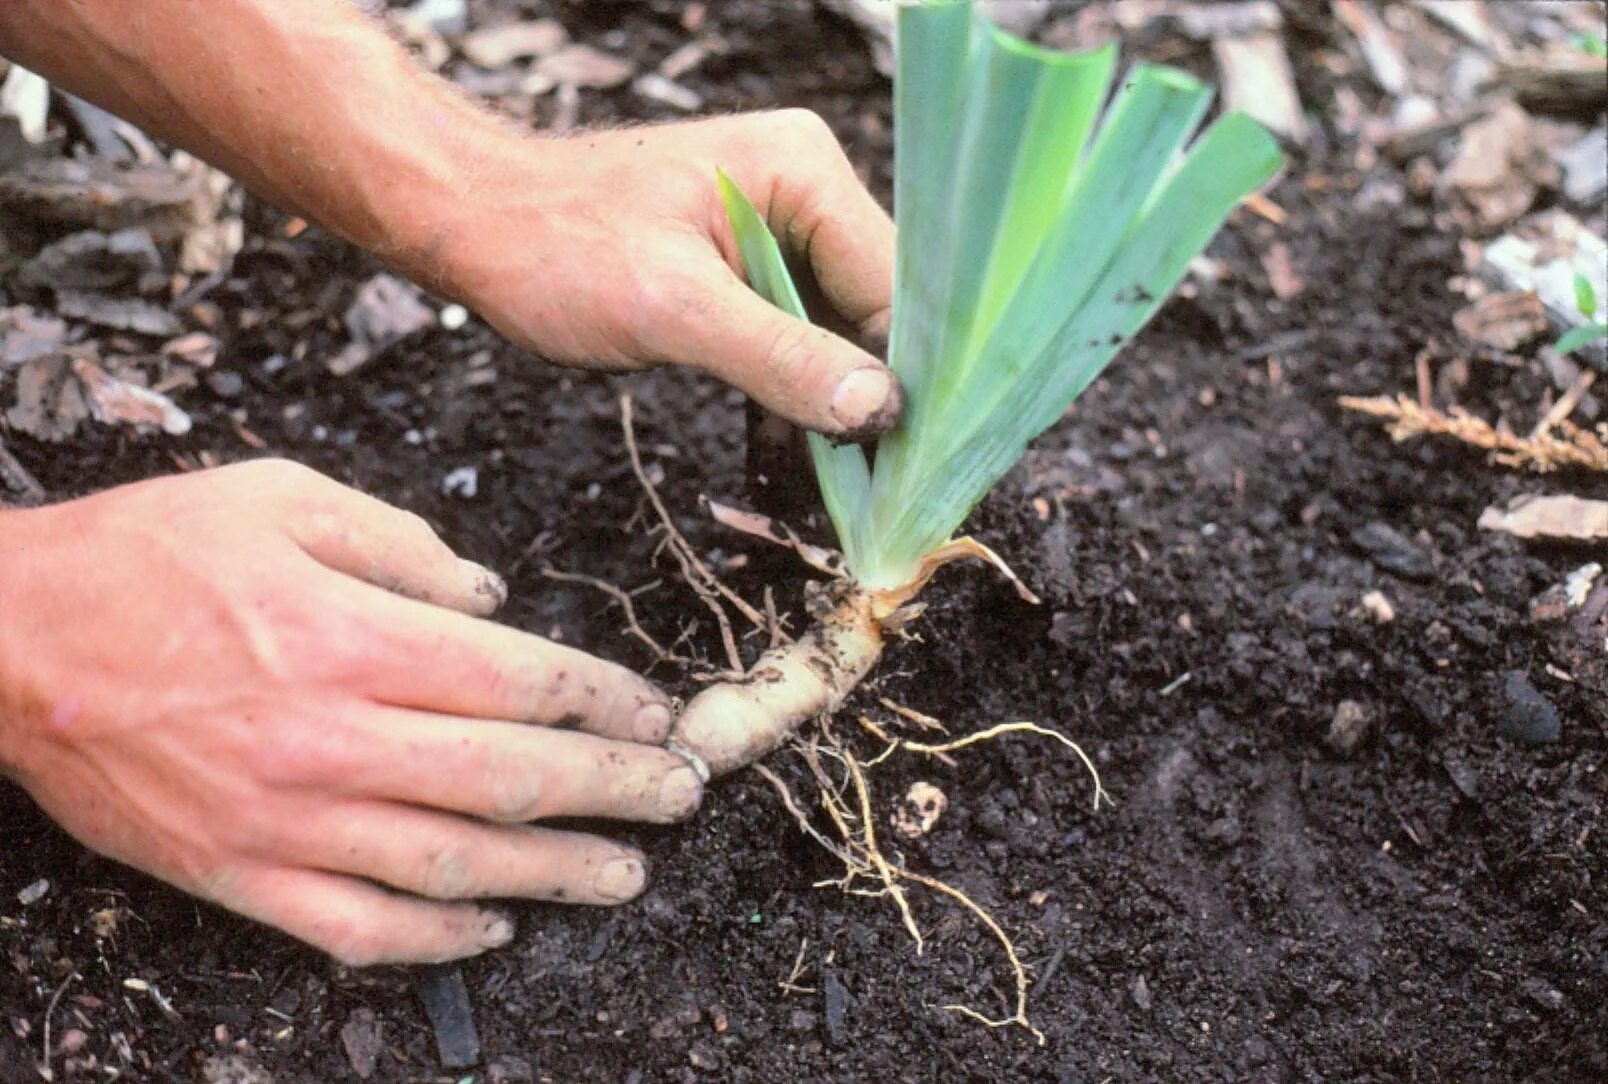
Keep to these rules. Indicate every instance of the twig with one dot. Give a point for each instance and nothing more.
(1565, 406)
(624, 599)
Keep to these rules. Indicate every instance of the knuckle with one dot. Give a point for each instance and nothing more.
(805, 126)
(350, 941)
(789, 356)
(513, 792)
(448, 873)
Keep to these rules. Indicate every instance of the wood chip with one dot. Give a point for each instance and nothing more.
(1505, 321)
(496, 46)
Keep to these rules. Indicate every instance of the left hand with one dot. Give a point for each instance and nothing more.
(612, 249)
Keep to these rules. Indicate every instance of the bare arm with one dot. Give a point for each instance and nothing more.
(609, 249)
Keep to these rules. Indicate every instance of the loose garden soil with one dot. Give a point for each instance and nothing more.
(1202, 527)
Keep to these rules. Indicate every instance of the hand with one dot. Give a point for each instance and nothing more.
(273, 692)
(613, 249)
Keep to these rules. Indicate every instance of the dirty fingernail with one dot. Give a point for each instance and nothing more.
(498, 932)
(486, 583)
(865, 400)
(680, 793)
(620, 880)
(651, 723)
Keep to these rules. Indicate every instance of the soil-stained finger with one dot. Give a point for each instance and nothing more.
(455, 858)
(434, 660)
(508, 772)
(360, 924)
(387, 547)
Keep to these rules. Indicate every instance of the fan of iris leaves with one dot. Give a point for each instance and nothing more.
(1043, 216)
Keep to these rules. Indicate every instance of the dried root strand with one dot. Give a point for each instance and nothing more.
(1556, 443)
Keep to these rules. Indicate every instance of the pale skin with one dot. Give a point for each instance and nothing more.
(282, 695)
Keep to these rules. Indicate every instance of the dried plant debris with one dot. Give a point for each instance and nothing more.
(385, 311)
(1559, 516)
(1501, 166)
(117, 401)
(95, 194)
(1506, 320)
(1561, 445)
(26, 336)
(50, 402)
(493, 47)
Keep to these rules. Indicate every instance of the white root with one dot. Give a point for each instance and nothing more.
(733, 724)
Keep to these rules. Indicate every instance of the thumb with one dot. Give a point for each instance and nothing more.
(792, 368)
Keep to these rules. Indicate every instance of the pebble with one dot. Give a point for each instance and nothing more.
(360, 1037)
(1392, 551)
(1140, 992)
(1348, 727)
(836, 998)
(225, 384)
(446, 1003)
(1529, 716)
(510, 1070)
(33, 893)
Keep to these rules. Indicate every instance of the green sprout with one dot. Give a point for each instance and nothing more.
(1591, 330)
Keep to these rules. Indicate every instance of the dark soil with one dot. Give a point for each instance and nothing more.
(1257, 906)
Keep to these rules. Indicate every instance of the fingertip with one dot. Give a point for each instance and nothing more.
(497, 931)
(621, 879)
(867, 402)
(651, 723)
(487, 590)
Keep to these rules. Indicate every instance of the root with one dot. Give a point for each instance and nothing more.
(623, 597)
(733, 724)
(849, 806)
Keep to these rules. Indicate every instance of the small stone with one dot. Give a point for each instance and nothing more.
(1348, 727)
(233, 1069)
(1392, 551)
(446, 1004)
(704, 1056)
(676, 1022)
(1529, 717)
(453, 316)
(1378, 608)
(463, 482)
(801, 1020)
(72, 1041)
(1544, 994)
(1140, 992)
(225, 384)
(836, 998)
(510, 1070)
(33, 893)
(360, 1037)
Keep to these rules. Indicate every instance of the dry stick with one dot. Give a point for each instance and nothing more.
(44, 1064)
(1565, 406)
(624, 599)
(702, 580)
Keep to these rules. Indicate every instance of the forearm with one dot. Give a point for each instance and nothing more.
(304, 101)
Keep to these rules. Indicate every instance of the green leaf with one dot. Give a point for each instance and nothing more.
(1036, 235)
(1575, 338)
(842, 471)
(1585, 296)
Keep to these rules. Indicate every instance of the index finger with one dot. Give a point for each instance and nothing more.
(836, 225)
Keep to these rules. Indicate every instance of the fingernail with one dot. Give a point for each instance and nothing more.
(680, 793)
(499, 931)
(620, 880)
(487, 583)
(651, 723)
(861, 398)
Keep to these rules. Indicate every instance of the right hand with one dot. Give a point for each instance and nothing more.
(273, 692)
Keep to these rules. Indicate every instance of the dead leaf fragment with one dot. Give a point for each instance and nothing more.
(1560, 516)
(916, 815)
(584, 66)
(114, 401)
(493, 47)
(26, 336)
(1258, 79)
(1499, 169)
(50, 403)
(1505, 321)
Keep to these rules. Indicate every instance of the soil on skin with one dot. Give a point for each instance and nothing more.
(1255, 906)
